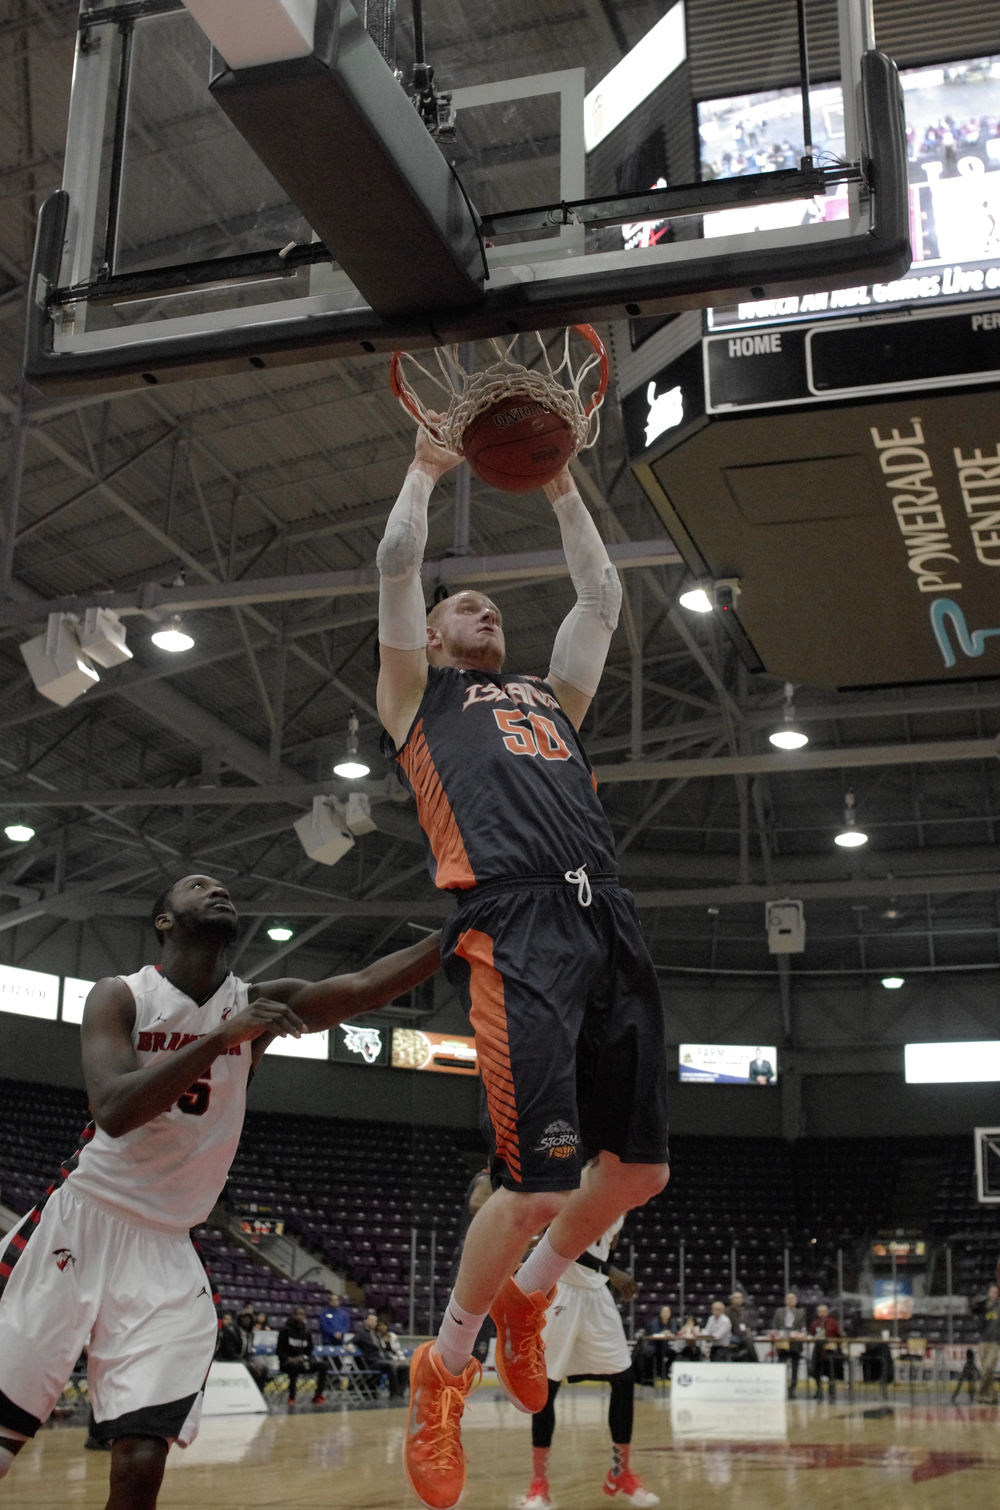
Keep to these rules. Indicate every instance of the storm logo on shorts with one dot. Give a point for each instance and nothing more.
(63, 1256)
(558, 1141)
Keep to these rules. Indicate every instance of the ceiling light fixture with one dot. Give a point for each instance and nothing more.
(696, 600)
(351, 767)
(19, 832)
(789, 736)
(893, 982)
(172, 636)
(850, 836)
(279, 933)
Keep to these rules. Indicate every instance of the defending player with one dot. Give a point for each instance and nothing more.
(544, 948)
(584, 1339)
(167, 1054)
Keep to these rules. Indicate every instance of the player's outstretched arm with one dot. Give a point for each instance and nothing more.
(402, 615)
(583, 637)
(124, 1094)
(323, 1003)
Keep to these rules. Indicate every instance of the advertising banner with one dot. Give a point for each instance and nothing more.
(728, 1064)
(414, 1049)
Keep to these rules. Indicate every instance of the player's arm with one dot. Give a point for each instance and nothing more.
(402, 614)
(583, 637)
(323, 1003)
(124, 1094)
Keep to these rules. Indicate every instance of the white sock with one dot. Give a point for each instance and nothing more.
(541, 1269)
(457, 1337)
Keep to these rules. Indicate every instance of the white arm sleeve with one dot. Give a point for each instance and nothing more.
(402, 615)
(581, 644)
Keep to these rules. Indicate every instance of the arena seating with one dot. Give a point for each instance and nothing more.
(351, 1191)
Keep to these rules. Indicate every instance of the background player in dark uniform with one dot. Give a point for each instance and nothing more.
(544, 948)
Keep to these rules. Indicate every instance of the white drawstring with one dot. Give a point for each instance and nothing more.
(581, 881)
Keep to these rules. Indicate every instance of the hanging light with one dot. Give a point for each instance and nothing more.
(789, 736)
(19, 832)
(280, 933)
(172, 636)
(893, 982)
(850, 836)
(351, 767)
(696, 600)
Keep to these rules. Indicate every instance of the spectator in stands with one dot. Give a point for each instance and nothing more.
(788, 1324)
(824, 1360)
(718, 1329)
(295, 1356)
(394, 1352)
(689, 1334)
(989, 1338)
(660, 1338)
(261, 1323)
(229, 1345)
(376, 1354)
(245, 1321)
(334, 1322)
(742, 1349)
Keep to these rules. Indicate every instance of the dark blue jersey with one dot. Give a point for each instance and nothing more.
(501, 781)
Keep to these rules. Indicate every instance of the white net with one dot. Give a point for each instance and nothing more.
(558, 386)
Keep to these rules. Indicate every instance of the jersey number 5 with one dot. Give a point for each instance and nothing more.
(542, 738)
(195, 1099)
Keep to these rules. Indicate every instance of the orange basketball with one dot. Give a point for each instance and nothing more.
(517, 444)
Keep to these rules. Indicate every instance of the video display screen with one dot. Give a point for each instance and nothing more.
(953, 146)
(728, 1064)
(964, 1062)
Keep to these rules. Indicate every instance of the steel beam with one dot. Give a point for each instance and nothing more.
(932, 753)
(454, 570)
(954, 700)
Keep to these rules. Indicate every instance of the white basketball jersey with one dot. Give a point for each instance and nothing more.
(590, 1279)
(170, 1172)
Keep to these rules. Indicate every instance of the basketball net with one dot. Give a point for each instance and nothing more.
(470, 394)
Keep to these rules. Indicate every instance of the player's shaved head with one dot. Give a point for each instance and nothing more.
(466, 630)
(448, 605)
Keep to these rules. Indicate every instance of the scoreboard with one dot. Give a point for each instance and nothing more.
(846, 474)
(814, 363)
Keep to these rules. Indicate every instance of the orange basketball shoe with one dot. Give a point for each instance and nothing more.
(432, 1451)
(520, 1356)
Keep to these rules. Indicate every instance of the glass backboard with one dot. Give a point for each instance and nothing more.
(172, 250)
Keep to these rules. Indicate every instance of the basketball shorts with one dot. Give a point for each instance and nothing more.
(583, 1333)
(565, 1006)
(72, 1273)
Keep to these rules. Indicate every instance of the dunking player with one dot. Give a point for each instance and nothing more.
(544, 947)
(584, 1339)
(167, 1054)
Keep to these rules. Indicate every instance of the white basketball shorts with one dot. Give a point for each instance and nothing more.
(75, 1272)
(583, 1333)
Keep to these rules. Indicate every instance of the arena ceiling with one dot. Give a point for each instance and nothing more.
(292, 471)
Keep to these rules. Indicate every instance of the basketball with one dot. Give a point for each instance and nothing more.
(517, 444)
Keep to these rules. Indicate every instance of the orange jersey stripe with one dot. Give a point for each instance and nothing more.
(451, 863)
(489, 1022)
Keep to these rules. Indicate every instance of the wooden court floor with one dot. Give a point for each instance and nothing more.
(918, 1457)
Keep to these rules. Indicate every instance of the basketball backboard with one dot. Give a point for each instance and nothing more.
(988, 1165)
(173, 250)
